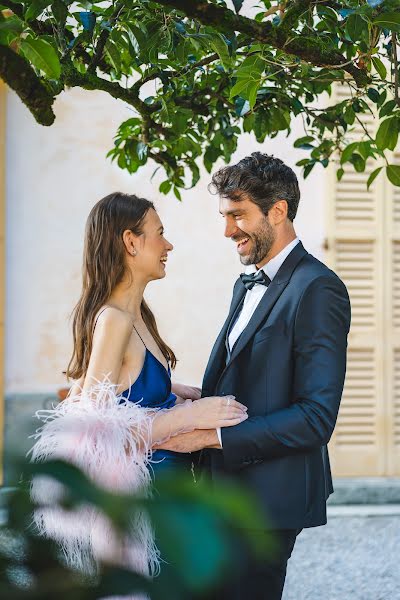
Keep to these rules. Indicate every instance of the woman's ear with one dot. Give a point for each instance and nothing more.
(130, 242)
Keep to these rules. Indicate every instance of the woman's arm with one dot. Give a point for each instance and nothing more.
(110, 339)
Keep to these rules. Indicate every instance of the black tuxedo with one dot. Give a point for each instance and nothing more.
(288, 368)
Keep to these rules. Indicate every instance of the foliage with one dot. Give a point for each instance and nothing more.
(197, 74)
(193, 525)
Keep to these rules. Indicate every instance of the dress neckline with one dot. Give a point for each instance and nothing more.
(147, 353)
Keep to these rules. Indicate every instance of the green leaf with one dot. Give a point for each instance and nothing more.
(177, 193)
(113, 56)
(237, 4)
(220, 46)
(349, 115)
(328, 14)
(248, 123)
(165, 187)
(42, 56)
(251, 68)
(358, 161)
(339, 174)
(304, 142)
(308, 169)
(389, 20)
(248, 79)
(355, 26)
(373, 95)
(279, 120)
(393, 174)
(347, 152)
(388, 134)
(60, 10)
(195, 173)
(12, 24)
(387, 108)
(36, 7)
(364, 148)
(373, 176)
(238, 88)
(379, 67)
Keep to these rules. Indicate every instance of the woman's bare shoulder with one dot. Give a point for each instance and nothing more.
(112, 321)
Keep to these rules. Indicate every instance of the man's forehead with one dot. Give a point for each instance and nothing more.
(228, 205)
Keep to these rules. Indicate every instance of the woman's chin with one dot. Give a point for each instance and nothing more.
(162, 272)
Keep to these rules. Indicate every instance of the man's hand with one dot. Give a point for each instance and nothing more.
(187, 392)
(191, 442)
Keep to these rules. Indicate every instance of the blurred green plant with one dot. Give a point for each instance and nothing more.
(197, 74)
(194, 526)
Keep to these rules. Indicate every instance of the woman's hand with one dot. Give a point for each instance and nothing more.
(217, 411)
(179, 400)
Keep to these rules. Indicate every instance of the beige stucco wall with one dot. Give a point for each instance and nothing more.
(54, 176)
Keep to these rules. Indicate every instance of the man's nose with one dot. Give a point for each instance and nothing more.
(230, 229)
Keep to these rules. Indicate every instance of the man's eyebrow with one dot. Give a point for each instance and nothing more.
(234, 211)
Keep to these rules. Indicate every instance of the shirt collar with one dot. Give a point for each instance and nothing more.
(273, 266)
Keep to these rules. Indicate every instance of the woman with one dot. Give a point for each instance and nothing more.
(121, 404)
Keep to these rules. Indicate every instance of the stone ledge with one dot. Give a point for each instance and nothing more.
(368, 490)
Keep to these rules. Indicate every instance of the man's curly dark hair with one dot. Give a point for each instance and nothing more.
(262, 178)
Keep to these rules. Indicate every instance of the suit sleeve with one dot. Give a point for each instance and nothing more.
(321, 326)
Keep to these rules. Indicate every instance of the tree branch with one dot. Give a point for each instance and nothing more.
(395, 68)
(309, 48)
(293, 13)
(103, 37)
(19, 76)
(89, 81)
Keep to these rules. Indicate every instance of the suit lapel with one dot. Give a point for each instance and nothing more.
(269, 299)
(216, 361)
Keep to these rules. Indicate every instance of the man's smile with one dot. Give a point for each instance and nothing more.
(242, 244)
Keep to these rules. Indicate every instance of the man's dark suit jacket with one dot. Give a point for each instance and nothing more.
(288, 367)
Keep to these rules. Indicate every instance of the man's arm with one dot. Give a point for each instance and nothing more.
(191, 442)
(320, 342)
(186, 391)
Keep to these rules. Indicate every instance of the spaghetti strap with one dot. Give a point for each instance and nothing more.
(98, 314)
(139, 336)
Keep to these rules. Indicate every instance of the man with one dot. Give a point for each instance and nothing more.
(282, 353)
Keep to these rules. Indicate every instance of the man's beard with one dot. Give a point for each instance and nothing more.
(262, 241)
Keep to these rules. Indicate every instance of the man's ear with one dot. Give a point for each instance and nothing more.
(278, 212)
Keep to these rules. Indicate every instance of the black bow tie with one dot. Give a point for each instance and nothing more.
(249, 280)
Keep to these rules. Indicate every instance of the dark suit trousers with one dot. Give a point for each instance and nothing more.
(258, 579)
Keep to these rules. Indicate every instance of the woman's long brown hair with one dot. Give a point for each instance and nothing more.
(103, 268)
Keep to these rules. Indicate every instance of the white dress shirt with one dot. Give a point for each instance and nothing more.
(253, 297)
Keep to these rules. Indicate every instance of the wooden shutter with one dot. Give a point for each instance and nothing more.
(355, 252)
(392, 322)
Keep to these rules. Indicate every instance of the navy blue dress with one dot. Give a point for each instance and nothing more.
(152, 389)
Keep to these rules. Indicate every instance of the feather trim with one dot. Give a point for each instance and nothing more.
(109, 438)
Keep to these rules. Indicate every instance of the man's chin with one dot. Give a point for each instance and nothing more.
(245, 260)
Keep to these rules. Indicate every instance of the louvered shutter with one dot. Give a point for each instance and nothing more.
(392, 322)
(355, 252)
